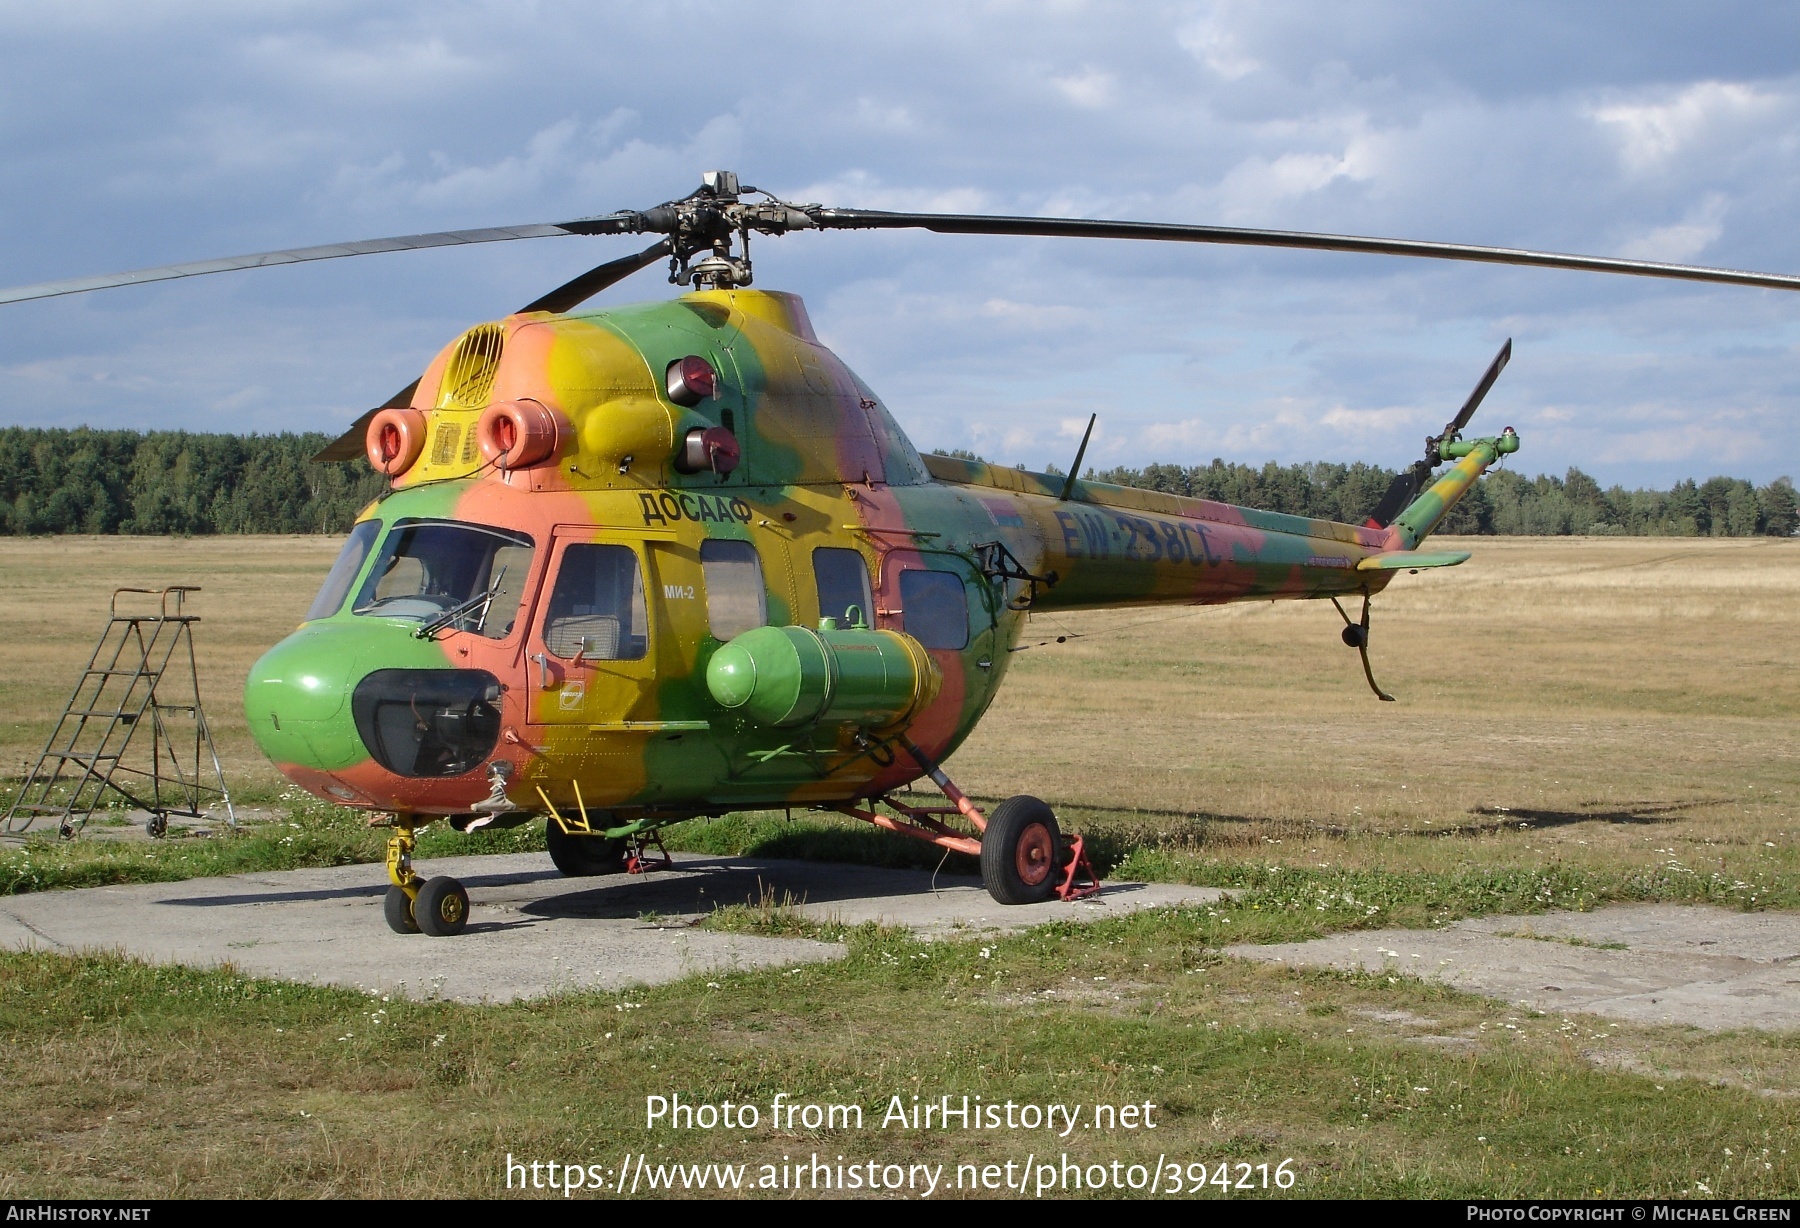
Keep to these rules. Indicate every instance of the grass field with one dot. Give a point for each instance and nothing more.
(1579, 720)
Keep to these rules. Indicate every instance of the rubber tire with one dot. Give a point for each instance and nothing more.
(442, 908)
(397, 907)
(583, 856)
(1014, 821)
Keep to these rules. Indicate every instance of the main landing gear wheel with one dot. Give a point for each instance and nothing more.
(1020, 850)
(442, 908)
(397, 907)
(583, 856)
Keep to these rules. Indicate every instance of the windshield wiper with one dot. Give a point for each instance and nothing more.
(429, 629)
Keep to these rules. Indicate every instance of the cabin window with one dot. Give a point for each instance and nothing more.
(736, 599)
(843, 583)
(934, 608)
(427, 569)
(597, 607)
(343, 572)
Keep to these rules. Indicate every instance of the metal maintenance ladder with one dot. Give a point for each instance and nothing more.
(142, 672)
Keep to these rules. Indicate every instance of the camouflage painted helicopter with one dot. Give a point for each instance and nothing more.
(646, 563)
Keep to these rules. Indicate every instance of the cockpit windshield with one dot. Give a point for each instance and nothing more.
(428, 569)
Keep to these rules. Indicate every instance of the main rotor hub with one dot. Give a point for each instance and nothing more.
(719, 270)
(704, 226)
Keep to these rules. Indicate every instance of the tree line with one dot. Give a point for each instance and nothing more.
(54, 480)
(86, 481)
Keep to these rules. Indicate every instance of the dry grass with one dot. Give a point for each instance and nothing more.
(254, 590)
(1592, 701)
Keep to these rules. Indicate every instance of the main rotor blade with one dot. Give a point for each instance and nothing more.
(299, 255)
(1481, 390)
(349, 445)
(1082, 228)
(590, 283)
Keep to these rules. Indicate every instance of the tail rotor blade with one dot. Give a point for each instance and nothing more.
(1481, 390)
(1404, 488)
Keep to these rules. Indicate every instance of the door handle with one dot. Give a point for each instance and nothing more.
(543, 664)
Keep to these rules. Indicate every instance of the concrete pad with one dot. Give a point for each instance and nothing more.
(956, 905)
(531, 931)
(1648, 963)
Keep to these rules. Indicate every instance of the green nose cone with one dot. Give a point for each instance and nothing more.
(297, 697)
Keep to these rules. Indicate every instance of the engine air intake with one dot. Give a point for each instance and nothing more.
(469, 375)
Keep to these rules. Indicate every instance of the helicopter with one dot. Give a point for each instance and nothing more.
(642, 564)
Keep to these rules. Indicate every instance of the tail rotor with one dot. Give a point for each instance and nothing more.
(1412, 480)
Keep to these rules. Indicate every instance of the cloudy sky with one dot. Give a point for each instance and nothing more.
(137, 134)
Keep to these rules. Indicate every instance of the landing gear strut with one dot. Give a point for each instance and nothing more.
(1025, 859)
(438, 907)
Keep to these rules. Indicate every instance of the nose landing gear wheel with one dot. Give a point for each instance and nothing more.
(442, 908)
(397, 907)
(1020, 850)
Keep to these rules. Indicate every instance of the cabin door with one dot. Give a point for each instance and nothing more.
(589, 659)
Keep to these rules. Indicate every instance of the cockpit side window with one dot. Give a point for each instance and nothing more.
(736, 598)
(343, 572)
(843, 580)
(597, 607)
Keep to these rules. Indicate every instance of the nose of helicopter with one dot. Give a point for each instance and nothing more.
(297, 697)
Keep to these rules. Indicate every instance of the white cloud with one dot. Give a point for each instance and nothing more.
(1213, 42)
(1650, 133)
(1685, 240)
(1059, 316)
(884, 117)
(1693, 445)
(1088, 88)
(1363, 421)
(861, 189)
(1256, 186)
(367, 69)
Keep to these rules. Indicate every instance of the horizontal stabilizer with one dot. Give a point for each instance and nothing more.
(1412, 560)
